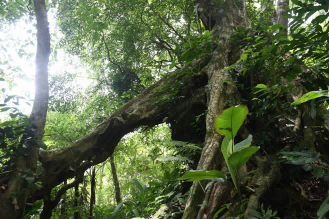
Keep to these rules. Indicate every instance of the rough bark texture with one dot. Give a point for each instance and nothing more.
(115, 181)
(281, 10)
(223, 92)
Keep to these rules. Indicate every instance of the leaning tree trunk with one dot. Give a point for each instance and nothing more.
(223, 93)
(13, 200)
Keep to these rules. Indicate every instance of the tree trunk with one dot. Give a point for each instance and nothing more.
(92, 191)
(100, 187)
(282, 10)
(76, 201)
(222, 95)
(49, 204)
(14, 199)
(63, 204)
(115, 181)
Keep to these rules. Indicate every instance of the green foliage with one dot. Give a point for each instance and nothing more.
(324, 208)
(196, 47)
(16, 134)
(235, 155)
(310, 96)
(145, 201)
(11, 11)
(310, 160)
(198, 175)
(128, 44)
(228, 123)
(271, 55)
(264, 214)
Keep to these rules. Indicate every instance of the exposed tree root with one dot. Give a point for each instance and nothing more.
(267, 175)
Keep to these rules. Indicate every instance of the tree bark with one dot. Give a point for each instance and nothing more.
(282, 10)
(49, 204)
(223, 93)
(149, 108)
(63, 204)
(76, 201)
(92, 191)
(115, 181)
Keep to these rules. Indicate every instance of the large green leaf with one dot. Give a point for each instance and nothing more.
(198, 175)
(239, 158)
(230, 121)
(117, 208)
(227, 147)
(311, 95)
(139, 185)
(324, 208)
(243, 144)
(227, 150)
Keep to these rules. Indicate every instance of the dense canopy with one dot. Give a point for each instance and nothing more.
(167, 109)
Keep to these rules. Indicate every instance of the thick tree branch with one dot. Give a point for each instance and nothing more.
(149, 108)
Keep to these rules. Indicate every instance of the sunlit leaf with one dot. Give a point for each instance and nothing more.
(239, 158)
(198, 175)
(311, 95)
(230, 121)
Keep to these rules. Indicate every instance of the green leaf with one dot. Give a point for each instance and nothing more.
(261, 86)
(42, 145)
(30, 179)
(227, 150)
(230, 121)
(275, 26)
(38, 185)
(172, 64)
(243, 144)
(320, 19)
(311, 95)
(238, 159)
(227, 147)
(96, 36)
(117, 208)
(136, 213)
(197, 175)
(318, 172)
(324, 208)
(139, 185)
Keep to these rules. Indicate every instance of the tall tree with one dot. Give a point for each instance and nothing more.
(14, 199)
